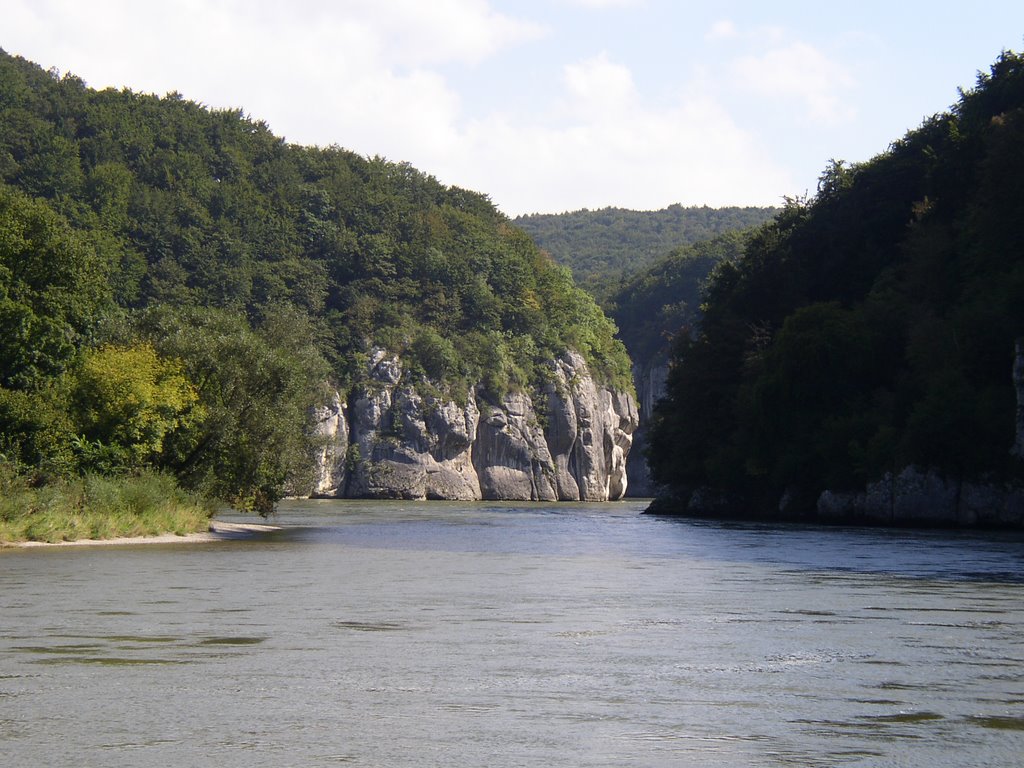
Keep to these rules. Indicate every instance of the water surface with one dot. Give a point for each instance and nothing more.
(432, 634)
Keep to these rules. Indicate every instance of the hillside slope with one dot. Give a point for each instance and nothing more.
(858, 361)
(200, 230)
(605, 247)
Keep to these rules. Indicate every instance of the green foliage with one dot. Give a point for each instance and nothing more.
(433, 355)
(53, 287)
(127, 401)
(220, 404)
(663, 300)
(116, 206)
(254, 388)
(606, 247)
(37, 432)
(96, 507)
(868, 328)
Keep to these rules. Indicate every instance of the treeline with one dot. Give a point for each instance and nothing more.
(660, 302)
(176, 282)
(603, 248)
(867, 329)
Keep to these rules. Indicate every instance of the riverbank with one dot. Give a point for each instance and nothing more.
(218, 531)
(913, 498)
(98, 507)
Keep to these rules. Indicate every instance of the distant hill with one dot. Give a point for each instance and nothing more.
(602, 247)
(662, 300)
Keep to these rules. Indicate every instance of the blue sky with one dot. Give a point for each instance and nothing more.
(550, 105)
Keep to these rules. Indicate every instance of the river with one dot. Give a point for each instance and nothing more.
(434, 634)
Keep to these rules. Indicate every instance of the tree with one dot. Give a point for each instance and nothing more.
(867, 329)
(127, 401)
(255, 388)
(53, 289)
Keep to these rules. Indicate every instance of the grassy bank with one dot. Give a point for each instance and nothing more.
(96, 507)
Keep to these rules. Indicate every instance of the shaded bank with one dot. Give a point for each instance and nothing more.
(915, 496)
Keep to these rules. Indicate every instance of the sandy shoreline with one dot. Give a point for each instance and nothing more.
(219, 531)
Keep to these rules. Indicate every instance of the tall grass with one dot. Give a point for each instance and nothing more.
(97, 507)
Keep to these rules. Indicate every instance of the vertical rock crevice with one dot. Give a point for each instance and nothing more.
(392, 441)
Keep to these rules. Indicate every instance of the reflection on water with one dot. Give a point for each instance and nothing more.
(508, 635)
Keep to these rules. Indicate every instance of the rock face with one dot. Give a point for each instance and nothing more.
(330, 428)
(924, 497)
(650, 381)
(394, 440)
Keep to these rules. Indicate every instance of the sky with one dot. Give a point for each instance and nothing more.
(550, 105)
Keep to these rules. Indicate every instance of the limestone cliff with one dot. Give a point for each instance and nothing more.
(396, 438)
(650, 378)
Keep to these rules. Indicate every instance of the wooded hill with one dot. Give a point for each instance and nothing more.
(603, 248)
(663, 300)
(176, 280)
(869, 328)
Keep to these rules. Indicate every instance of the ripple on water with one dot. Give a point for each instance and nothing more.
(58, 649)
(232, 640)
(998, 722)
(904, 717)
(372, 626)
(108, 661)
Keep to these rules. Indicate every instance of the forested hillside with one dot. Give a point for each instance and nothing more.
(651, 308)
(865, 330)
(176, 282)
(603, 248)
(659, 302)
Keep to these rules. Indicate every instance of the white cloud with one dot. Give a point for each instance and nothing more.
(359, 73)
(414, 33)
(625, 152)
(722, 30)
(607, 3)
(598, 86)
(370, 76)
(238, 35)
(802, 72)
(785, 69)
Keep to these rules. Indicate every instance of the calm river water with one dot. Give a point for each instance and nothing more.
(433, 634)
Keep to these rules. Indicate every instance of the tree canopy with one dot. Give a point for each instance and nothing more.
(134, 225)
(606, 247)
(658, 303)
(868, 328)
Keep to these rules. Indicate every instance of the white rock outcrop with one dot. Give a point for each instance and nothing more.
(568, 442)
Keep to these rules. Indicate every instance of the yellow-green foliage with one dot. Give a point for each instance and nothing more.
(129, 398)
(96, 507)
